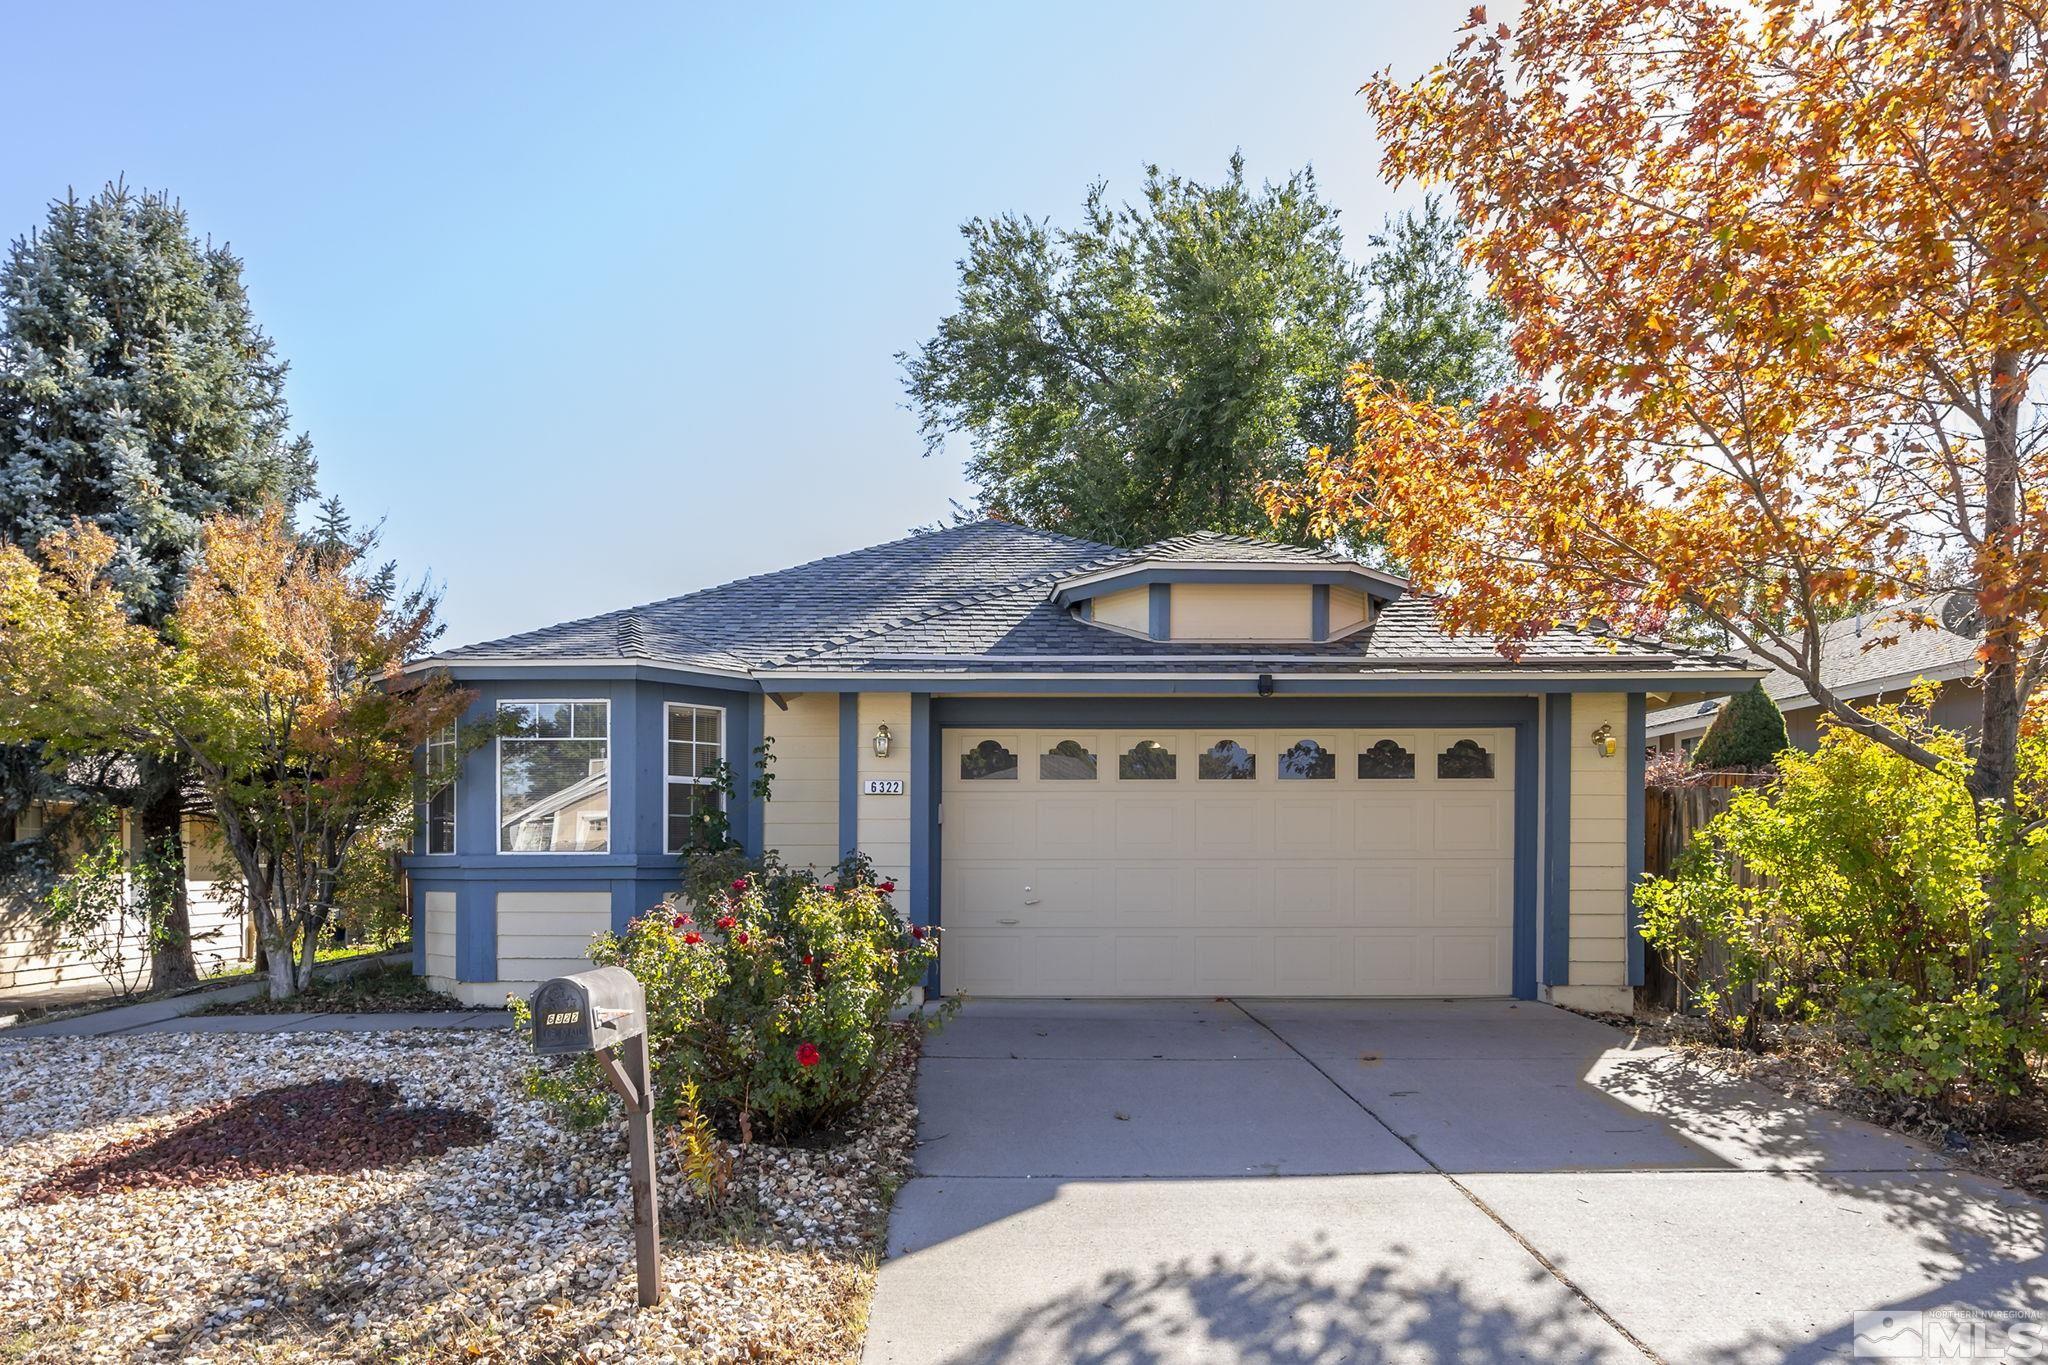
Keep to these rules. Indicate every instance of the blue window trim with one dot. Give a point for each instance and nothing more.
(1637, 741)
(1159, 601)
(1557, 830)
(849, 773)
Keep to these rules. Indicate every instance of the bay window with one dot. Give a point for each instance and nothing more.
(554, 777)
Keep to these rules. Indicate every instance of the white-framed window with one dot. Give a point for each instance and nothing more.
(438, 820)
(696, 745)
(554, 777)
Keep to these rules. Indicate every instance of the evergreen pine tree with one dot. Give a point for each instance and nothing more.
(138, 394)
(1748, 733)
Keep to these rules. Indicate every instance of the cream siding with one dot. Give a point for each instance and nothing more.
(885, 820)
(802, 817)
(30, 957)
(1348, 608)
(1599, 845)
(1131, 609)
(547, 933)
(439, 919)
(1240, 611)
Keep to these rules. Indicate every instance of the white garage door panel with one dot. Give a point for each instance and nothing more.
(1250, 862)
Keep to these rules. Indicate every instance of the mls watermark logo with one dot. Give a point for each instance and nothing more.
(1891, 1334)
(1949, 1334)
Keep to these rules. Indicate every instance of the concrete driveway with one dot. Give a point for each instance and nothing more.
(1310, 1181)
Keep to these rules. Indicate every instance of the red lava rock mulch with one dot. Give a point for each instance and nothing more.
(330, 1127)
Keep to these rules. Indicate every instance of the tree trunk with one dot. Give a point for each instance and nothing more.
(160, 825)
(1992, 780)
(281, 973)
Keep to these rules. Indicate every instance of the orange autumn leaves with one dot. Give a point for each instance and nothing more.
(1774, 277)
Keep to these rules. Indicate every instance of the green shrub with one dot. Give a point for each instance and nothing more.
(772, 996)
(1748, 733)
(1880, 897)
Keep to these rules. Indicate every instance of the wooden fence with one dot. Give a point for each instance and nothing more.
(1671, 817)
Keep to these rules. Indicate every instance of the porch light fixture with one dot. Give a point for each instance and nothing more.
(1604, 742)
(1265, 684)
(881, 741)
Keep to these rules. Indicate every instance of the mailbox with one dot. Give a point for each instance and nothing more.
(587, 1012)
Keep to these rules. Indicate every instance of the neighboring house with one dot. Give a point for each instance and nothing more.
(33, 960)
(1859, 666)
(1209, 766)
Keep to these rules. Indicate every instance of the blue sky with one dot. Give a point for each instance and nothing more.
(592, 305)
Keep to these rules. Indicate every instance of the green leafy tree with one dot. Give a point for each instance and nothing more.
(1143, 374)
(1749, 732)
(138, 396)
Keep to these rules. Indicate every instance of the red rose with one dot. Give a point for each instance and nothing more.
(693, 937)
(829, 889)
(806, 1054)
(740, 885)
(726, 921)
(679, 921)
(888, 887)
(917, 931)
(740, 938)
(807, 959)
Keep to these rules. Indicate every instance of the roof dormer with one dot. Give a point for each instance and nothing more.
(1213, 588)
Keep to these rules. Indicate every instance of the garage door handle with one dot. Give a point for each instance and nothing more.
(1006, 921)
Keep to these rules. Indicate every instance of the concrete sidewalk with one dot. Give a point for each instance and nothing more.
(1311, 1181)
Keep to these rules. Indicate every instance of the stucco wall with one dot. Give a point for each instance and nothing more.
(802, 818)
(1240, 611)
(1599, 845)
(885, 820)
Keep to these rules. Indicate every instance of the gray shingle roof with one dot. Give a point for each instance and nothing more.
(977, 597)
(1862, 655)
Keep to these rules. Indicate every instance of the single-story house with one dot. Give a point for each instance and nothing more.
(1212, 765)
(1873, 657)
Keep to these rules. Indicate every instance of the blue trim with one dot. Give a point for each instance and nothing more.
(1557, 851)
(419, 930)
(924, 821)
(849, 772)
(1185, 712)
(930, 718)
(1525, 938)
(1319, 612)
(1240, 678)
(754, 822)
(476, 932)
(1637, 742)
(575, 672)
(1160, 601)
(1088, 609)
(1155, 575)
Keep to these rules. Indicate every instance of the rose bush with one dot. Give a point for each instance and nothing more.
(772, 995)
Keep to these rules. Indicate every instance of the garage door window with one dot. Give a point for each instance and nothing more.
(1466, 758)
(1384, 761)
(1066, 761)
(988, 761)
(1227, 761)
(1147, 761)
(1307, 760)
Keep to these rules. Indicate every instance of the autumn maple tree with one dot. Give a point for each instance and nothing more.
(1774, 279)
(278, 679)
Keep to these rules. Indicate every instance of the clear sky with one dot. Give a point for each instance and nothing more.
(593, 305)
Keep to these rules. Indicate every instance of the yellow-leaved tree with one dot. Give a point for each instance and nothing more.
(1774, 275)
(279, 678)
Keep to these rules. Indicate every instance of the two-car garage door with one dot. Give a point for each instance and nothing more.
(1251, 862)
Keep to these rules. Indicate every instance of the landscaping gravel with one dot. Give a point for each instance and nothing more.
(516, 1249)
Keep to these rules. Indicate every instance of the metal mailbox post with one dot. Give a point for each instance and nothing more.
(604, 1011)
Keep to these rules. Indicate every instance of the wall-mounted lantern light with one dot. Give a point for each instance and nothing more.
(1265, 684)
(1604, 742)
(881, 741)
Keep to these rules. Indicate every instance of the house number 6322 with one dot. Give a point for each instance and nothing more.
(883, 786)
